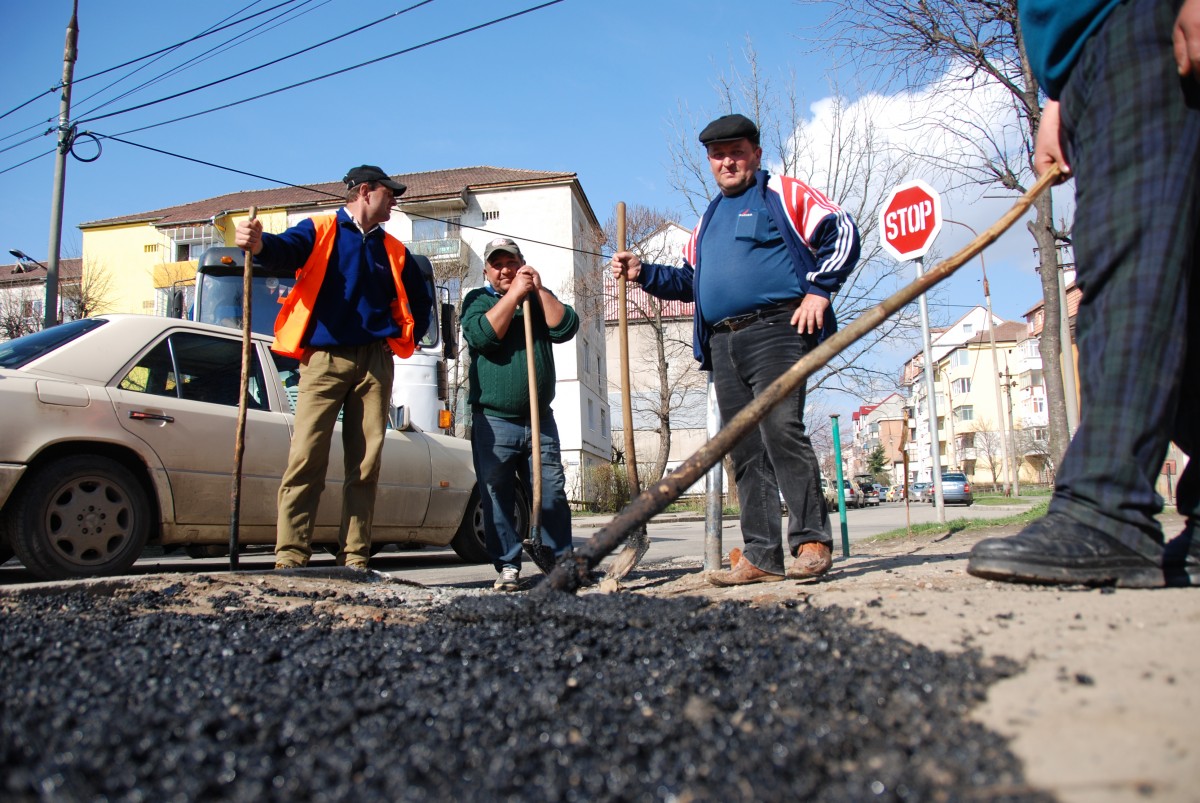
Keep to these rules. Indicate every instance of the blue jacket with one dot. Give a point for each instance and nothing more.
(821, 238)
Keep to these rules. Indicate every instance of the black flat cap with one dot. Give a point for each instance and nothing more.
(731, 126)
(364, 173)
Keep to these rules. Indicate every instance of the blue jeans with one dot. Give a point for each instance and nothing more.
(777, 457)
(503, 453)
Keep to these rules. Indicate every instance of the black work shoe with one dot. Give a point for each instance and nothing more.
(1056, 549)
(1181, 558)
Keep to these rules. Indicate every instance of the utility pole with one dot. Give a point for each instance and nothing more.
(65, 136)
(1012, 432)
(931, 392)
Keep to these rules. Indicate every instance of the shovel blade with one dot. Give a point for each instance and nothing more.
(541, 555)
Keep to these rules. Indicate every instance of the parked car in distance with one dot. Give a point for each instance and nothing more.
(956, 490)
(854, 496)
(883, 492)
(119, 433)
(895, 493)
(870, 496)
(917, 491)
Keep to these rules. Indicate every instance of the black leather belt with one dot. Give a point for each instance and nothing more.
(737, 322)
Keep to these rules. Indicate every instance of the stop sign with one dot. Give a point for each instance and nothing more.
(910, 220)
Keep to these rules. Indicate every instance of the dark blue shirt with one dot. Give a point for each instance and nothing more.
(353, 306)
(746, 264)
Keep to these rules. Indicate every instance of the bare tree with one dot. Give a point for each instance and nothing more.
(92, 294)
(989, 444)
(20, 308)
(971, 52)
(664, 377)
(844, 154)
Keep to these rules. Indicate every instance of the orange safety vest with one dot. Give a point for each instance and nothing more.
(297, 307)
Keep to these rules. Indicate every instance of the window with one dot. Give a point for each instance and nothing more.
(603, 420)
(587, 356)
(959, 358)
(961, 385)
(591, 414)
(1030, 349)
(967, 440)
(435, 229)
(196, 367)
(964, 413)
(968, 328)
(1038, 404)
(1035, 379)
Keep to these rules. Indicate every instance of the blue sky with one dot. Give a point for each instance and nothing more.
(583, 86)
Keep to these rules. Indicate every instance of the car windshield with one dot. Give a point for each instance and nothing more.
(21, 351)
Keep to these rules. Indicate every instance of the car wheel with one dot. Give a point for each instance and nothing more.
(469, 541)
(79, 517)
(5, 555)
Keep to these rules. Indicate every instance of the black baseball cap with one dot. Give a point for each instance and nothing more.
(731, 126)
(364, 173)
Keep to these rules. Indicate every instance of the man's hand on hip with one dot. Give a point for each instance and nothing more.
(809, 317)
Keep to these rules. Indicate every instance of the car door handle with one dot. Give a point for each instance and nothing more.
(141, 415)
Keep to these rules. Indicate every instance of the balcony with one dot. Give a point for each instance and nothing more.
(447, 250)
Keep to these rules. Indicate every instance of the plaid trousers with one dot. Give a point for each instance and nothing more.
(1133, 131)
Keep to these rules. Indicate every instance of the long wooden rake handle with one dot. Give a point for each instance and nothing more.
(239, 438)
(573, 571)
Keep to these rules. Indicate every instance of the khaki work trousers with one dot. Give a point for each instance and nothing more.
(358, 381)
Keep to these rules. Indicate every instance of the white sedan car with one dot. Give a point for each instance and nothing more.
(119, 432)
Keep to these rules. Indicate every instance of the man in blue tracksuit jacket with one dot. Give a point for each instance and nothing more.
(774, 251)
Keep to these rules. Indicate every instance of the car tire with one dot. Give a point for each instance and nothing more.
(469, 542)
(80, 516)
(5, 555)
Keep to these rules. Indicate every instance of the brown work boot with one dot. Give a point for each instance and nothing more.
(741, 573)
(813, 560)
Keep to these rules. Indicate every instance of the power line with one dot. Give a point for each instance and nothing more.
(193, 60)
(268, 64)
(311, 80)
(298, 84)
(58, 86)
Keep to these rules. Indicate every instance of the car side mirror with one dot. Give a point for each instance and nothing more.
(400, 419)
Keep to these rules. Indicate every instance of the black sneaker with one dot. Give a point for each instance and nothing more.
(1181, 557)
(1058, 550)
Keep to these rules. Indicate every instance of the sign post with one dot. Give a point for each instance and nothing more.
(910, 219)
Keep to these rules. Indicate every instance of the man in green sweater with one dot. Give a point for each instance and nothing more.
(501, 440)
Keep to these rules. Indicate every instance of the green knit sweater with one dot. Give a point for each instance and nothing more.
(499, 374)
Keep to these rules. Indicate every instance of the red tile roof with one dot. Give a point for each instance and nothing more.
(422, 187)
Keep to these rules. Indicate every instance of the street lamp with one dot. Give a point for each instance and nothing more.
(23, 261)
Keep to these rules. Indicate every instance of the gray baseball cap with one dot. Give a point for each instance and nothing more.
(502, 244)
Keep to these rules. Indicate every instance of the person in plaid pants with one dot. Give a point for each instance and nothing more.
(1124, 119)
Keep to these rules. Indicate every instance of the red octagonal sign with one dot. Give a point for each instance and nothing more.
(910, 220)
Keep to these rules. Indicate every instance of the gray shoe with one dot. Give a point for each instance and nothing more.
(509, 579)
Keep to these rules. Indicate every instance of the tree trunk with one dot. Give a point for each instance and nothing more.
(1051, 340)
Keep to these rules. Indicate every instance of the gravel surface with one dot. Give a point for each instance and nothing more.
(332, 688)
